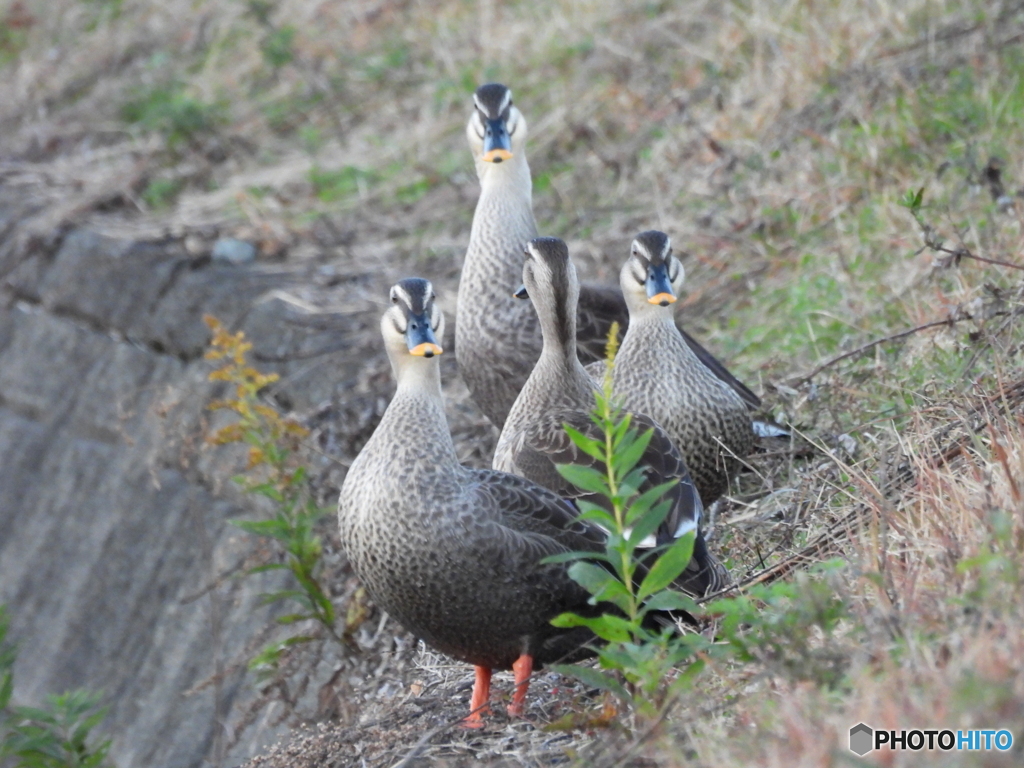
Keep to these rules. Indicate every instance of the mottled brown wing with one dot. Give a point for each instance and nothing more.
(543, 517)
(716, 367)
(548, 445)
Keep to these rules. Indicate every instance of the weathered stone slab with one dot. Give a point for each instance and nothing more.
(113, 515)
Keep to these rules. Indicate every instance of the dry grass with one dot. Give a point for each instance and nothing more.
(772, 140)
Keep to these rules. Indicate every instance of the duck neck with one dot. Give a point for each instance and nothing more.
(559, 336)
(559, 351)
(502, 224)
(419, 377)
(510, 179)
(418, 399)
(651, 315)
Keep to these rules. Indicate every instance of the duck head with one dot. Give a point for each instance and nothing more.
(496, 129)
(551, 282)
(413, 323)
(652, 275)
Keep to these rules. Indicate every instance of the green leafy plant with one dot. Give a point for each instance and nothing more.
(656, 662)
(57, 736)
(8, 653)
(278, 47)
(274, 473)
(172, 112)
(12, 42)
(786, 627)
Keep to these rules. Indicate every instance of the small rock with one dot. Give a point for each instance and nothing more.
(195, 246)
(232, 251)
(848, 445)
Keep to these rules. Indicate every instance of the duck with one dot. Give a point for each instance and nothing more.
(561, 392)
(454, 553)
(497, 339)
(657, 373)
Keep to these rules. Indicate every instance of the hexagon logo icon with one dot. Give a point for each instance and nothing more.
(861, 738)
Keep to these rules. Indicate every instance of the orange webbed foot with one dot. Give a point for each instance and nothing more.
(478, 706)
(522, 669)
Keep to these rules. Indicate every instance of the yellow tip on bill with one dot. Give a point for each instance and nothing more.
(662, 298)
(426, 349)
(497, 155)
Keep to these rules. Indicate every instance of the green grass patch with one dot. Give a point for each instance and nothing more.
(161, 193)
(279, 46)
(332, 186)
(172, 112)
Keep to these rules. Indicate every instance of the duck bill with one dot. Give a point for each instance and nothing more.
(497, 142)
(521, 293)
(420, 337)
(659, 288)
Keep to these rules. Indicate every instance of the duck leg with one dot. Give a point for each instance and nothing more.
(478, 702)
(521, 669)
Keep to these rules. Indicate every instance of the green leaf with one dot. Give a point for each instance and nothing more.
(599, 516)
(6, 689)
(668, 600)
(630, 485)
(648, 499)
(584, 478)
(265, 489)
(594, 678)
(588, 506)
(285, 594)
(913, 200)
(275, 529)
(298, 639)
(268, 567)
(629, 454)
(648, 523)
(600, 583)
(292, 618)
(33, 713)
(617, 657)
(621, 429)
(669, 565)
(610, 628)
(588, 445)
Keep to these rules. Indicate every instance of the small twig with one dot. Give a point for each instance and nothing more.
(803, 379)
(966, 253)
(221, 578)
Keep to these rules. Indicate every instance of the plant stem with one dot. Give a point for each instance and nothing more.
(609, 418)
